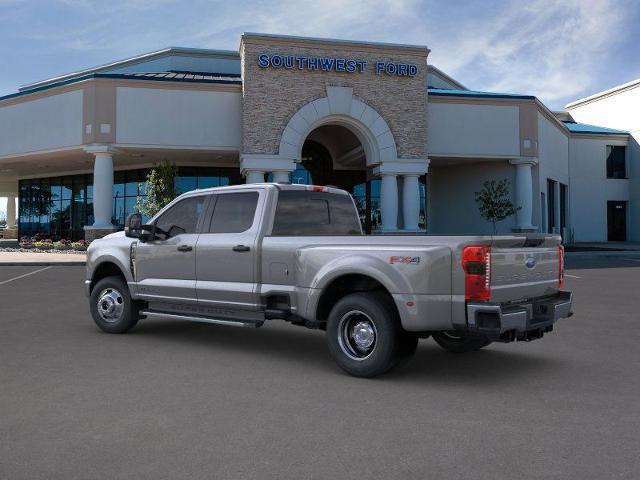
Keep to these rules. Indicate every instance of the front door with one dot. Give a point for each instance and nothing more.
(165, 268)
(226, 254)
(617, 221)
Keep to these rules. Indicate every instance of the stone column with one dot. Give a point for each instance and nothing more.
(102, 192)
(389, 202)
(524, 193)
(281, 176)
(411, 202)
(254, 176)
(11, 211)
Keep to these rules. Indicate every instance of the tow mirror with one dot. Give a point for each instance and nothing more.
(133, 225)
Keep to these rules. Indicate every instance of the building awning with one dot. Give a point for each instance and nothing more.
(170, 76)
(585, 128)
(477, 94)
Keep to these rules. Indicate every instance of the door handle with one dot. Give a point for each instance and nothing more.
(185, 248)
(241, 248)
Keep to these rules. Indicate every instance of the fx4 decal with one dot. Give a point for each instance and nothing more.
(404, 260)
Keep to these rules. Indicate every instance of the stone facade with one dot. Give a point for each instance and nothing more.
(272, 96)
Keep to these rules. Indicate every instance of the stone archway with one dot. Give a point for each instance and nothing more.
(339, 107)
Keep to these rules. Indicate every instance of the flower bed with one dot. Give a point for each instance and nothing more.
(47, 245)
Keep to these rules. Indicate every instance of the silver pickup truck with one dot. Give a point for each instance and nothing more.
(248, 254)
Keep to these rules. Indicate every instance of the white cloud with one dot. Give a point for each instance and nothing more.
(545, 48)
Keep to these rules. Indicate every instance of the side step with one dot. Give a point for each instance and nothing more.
(198, 318)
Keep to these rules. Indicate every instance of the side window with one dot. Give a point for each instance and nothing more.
(182, 217)
(301, 212)
(234, 212)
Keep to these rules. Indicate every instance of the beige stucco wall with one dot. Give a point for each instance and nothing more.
(178, 117)
(460, 129)
(50, 122)
(272, 96)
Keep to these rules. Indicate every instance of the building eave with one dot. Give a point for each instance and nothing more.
(132, 61)
(606, 93)
(116, 76)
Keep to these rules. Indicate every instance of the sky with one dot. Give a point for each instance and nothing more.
(557, 50)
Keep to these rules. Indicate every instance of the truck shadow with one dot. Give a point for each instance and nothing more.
(287, 347)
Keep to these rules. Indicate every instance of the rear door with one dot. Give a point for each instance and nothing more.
(227, 253)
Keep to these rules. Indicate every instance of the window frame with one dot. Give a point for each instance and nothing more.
(199, 223)
(213, 202)
(625, 163)
(275, 212)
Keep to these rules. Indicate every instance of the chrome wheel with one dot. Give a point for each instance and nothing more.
(110, 305)
(357, 335)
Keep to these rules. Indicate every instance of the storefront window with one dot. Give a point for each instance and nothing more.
(60, 207)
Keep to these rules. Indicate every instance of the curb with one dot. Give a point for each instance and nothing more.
(601, 253)
(42, 264)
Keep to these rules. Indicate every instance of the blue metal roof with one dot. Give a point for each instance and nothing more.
(575, 127)
(444, 92)
(188, 77)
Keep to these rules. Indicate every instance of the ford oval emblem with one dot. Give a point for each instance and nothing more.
(530, 263)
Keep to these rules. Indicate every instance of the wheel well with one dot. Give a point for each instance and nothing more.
(345, 285)
(106, 269)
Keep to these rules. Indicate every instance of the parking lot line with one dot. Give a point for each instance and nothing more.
(571, 276)
(25, 275)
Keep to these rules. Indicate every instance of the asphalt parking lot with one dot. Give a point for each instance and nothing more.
(181, 400)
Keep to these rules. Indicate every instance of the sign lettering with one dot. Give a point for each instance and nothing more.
(332, 64)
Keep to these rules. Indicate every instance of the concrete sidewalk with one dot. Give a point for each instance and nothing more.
(37, 259)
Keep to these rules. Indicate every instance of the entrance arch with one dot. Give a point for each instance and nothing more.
(340, 108)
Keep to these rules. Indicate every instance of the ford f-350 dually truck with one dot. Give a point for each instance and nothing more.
(244, 255)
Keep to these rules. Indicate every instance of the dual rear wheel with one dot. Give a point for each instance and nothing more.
(365, 337)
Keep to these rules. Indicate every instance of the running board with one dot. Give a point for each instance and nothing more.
(197, 318)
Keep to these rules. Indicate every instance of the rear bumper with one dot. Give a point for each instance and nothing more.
(523, 320)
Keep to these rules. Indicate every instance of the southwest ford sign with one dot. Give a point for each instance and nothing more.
(333, 64)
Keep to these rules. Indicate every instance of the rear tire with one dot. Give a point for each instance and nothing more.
(460, 343)
(111, 306)
(364, 335)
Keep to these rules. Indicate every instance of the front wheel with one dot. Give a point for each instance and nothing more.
(364, 335)
(111, 306)
(460, 343)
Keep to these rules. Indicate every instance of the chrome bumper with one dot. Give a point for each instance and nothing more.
(538, 314)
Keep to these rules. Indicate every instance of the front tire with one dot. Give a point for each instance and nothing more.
(111, 306)
(364, 335)
(460, 343)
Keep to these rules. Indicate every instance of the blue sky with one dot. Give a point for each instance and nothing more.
(557, 50)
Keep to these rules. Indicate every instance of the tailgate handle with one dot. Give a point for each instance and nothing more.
(241, 248)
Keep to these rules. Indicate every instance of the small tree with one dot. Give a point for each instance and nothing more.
(160, 189)
(494, 201)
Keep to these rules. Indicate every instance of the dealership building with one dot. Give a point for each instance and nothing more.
(411, 144)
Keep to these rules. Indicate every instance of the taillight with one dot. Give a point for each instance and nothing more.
(476, 263)
(560, 266)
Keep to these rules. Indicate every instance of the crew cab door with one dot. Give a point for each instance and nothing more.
(165, 270)
(227, 252)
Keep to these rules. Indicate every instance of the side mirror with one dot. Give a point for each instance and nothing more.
(133, 225)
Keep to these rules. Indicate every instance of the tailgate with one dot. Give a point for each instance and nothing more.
(527, 271)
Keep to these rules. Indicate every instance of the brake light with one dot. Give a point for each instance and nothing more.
(560, 266)
(476, 263)
(316, 188)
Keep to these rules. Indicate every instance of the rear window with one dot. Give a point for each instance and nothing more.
(300, 212)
